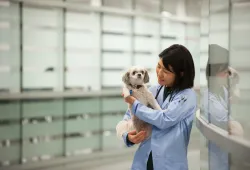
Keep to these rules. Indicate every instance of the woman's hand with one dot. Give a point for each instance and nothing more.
(136, 138)
(130, 100)
(127, 97)
(235, 128)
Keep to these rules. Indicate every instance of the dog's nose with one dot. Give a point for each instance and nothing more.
(139, 75)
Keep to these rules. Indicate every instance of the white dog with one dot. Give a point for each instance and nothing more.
(135, 80)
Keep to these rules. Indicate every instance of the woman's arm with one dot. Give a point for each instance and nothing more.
(181, 107)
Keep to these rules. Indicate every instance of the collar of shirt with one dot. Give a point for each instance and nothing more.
(167, 91)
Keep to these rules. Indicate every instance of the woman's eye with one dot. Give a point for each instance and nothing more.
(167, 72)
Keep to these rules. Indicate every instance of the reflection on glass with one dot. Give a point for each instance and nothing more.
(150, 6)
(215, 101)
(204, 36)
(239, 59)
(118, 4)
(222, 89)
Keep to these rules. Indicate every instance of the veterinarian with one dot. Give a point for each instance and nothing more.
(167, 147)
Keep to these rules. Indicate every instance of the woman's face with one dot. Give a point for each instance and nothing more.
(222, 77)
(165, 77)
(223, 74)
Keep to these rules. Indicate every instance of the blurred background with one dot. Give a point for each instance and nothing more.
(61, 63)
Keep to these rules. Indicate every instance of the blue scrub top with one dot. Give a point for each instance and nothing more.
(171, 128)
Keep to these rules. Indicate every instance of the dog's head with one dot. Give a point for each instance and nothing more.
(234, 76)
(136, 75)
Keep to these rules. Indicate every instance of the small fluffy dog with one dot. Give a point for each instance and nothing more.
(135, 80)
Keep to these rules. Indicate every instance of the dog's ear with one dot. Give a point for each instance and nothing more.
(125, 78)
(146, 77)
(234, 75)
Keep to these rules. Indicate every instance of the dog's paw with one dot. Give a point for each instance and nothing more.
(126, 92)
(157, 107)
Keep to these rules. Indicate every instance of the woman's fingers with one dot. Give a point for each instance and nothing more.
(136, 137)
(140, 134)
(129, 99)
(140, 139)
(235, 128)
(132, 132)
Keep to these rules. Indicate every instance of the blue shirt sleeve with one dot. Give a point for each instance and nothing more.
(126, 141)
(182, 106)
(217, 110)
(127, 115)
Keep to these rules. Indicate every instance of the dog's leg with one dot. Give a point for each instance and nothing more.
(126, 92)
(150, 106)
(153, 104)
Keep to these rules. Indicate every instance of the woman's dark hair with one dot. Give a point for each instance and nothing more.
(217, 60)
(180, 59)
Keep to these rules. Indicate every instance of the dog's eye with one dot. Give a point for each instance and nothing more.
(142, 72)
(133, 72)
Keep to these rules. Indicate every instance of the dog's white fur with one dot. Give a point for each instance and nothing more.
(234, 80)
(131, 81)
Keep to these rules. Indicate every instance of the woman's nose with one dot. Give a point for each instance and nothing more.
(160, 73)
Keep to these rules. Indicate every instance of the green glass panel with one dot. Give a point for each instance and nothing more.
(9, 132)
(42, 129)
(9, 111)
(110, 122)
(4, 36)
(43, 108)
(41, 149)
(111, 141)
(82, 125)
(81, 106)
(74, 144)
(114, 105)
(11, 153)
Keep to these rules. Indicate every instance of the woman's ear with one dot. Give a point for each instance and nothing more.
(146, 77)
(125, 78)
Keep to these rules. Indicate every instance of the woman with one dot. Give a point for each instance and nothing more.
(167, 147)
(222, 89)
